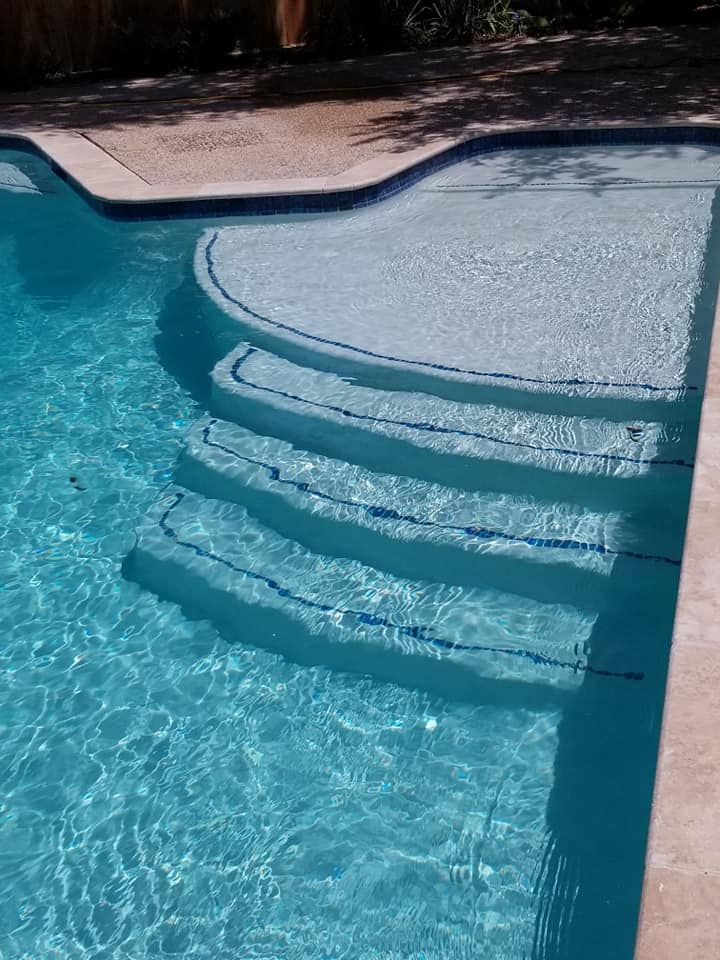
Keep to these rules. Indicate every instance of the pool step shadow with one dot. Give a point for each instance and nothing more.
(588, 884)
(186, 341)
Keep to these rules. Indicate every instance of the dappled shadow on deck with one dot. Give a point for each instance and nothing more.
(338, 114)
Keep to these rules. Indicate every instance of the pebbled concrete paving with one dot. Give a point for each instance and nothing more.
(320, 120)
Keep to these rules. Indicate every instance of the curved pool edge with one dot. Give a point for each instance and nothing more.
(118, 193)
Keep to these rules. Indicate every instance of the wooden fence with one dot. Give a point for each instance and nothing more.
(39, 37)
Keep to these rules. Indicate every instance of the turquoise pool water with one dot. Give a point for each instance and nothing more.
(302, 666)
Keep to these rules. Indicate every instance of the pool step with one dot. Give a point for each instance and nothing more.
(458, 444)
(415, 528)
(14, 180)
(259, 587)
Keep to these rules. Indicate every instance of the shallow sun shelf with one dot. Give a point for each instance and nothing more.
(483, 275)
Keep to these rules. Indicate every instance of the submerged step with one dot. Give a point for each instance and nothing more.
(13, 180)
(419, 528)
(221, 563)
(428, 436)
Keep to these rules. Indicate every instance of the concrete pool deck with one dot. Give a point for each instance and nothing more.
(320, 121)
(314, 129)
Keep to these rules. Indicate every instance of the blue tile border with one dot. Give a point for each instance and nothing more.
(439, 367)
(385, 513)
(427, 427)
(364, 618)
(355, 197)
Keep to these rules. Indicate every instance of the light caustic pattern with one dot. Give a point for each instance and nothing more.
(231, 786)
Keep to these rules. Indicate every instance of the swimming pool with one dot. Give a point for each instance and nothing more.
(381, 672)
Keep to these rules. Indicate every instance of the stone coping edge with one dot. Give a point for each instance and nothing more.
(680, 910)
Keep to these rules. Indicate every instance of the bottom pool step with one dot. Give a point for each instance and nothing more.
(220, 563)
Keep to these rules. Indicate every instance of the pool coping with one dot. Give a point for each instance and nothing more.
(681, 889)
(679, 914)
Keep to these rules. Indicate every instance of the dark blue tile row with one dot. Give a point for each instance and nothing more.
(363, 196)
(422, 632)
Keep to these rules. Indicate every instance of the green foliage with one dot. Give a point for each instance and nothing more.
(367, 25)
(152, 44)
(460, 21)
(547, 15)
(371, 25)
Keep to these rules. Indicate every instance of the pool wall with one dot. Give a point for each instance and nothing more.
(679, 915)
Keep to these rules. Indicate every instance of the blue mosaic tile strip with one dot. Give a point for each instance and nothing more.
(416, 632)
(363, 196)
(387, 513)
(441, 367)
(438, 428)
